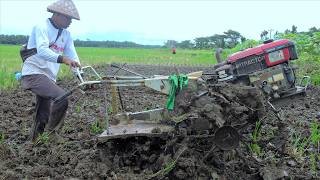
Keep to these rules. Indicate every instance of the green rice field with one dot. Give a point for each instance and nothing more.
(10, 61)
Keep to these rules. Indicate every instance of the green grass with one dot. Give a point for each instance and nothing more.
(310, 68)
(10, 61)
(96, 128)
(313, 164)
(315, 140)
(299, 145)
(254, 146)
(43, 138)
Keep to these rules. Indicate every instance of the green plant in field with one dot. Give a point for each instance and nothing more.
(43, 138)
(316, 80)
(254, 146)
(299, 144)
(315, 141)
(78, 108)
(315, 135)
(313, 164)
(169, 166)
(1, 137)
(308, 48)
(109, 109)
(310, 68)
(96, 127)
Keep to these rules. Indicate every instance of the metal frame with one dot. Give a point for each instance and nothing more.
(159, 83)
(145, 123)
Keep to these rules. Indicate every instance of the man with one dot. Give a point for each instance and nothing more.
(173, 50)
(54, 46)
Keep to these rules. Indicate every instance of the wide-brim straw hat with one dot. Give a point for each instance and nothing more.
(65, 7)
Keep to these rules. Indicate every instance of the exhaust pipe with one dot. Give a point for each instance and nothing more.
(218, 55)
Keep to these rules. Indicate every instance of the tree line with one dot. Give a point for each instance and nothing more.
(22, 39)
(227, 40)
(267, 34)
(231, 39)
(13, 39)
(111, 44)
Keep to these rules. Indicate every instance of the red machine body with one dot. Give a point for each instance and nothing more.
(266, 66)
(269, 54)
(283, 44)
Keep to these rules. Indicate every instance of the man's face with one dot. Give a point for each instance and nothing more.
(63, 21)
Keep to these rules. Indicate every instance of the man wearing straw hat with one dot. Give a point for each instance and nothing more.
(52, 45)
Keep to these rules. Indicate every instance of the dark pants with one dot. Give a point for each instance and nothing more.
(48, 115)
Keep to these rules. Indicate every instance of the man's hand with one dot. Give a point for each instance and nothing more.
(70, 62)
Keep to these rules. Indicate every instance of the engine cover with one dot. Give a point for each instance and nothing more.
(267, 66)
(275, 80)
(262, 57)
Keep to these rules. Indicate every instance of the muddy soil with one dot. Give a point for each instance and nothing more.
(81, 156)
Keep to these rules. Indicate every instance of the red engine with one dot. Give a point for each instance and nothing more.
(263, 56)
(266, 66)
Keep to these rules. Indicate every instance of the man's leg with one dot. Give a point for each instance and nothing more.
(41, 116)
(58, 111)
(46, 89)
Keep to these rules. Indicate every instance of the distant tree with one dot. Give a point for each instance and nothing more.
(13, 39)
(294, 29)
(232, 38)
(217, 41)
(287, 31)
(264, 35)
(202, 43)
(187, 44)
(170, 43)
(276, 35)
(243, 39)
(313, 30)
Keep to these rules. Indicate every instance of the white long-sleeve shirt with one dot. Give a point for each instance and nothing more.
(45, 61)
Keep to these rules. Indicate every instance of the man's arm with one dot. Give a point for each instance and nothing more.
(42, 43)
(43, 50)
(70, 56)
